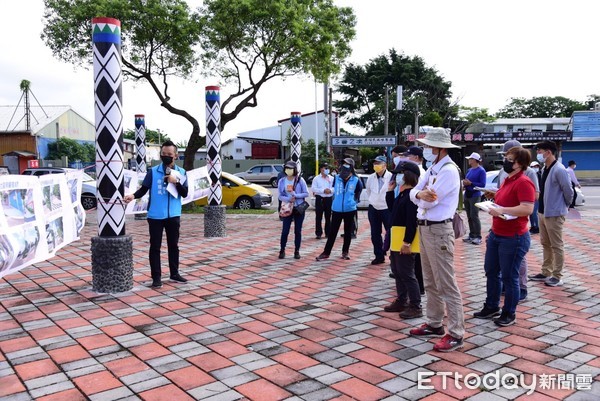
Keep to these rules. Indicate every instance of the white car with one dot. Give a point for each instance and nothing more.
(491, 181)
(88, 184)
(363, 202)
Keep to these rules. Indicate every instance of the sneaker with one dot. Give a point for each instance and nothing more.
(553, 282)
(537, 277)
(297, 255)
(487, 313)
(378, 261)
(322, 256)
(178, 278)
(282, 254)
(468, 239)
(426, 330)
(522, 294)
(476, 241)
(156, 284)
(411, 312)
(505, 319)
(448, 343)
(345, 256)
(396, 306)
(318, 237)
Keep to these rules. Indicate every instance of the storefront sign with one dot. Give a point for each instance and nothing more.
(374, 141)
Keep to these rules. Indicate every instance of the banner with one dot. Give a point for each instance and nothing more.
(198, 187)
(38, 216)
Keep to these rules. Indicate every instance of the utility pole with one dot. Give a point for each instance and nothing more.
(417, 120)
(387, 107)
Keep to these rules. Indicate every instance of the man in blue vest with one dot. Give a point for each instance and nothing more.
(164, 210)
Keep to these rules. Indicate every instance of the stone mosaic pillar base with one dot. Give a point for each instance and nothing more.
(214, 221)
(112, 264)
(140, 216)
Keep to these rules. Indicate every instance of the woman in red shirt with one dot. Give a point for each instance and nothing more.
(508, 241)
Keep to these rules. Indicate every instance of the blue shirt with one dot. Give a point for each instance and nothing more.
(477, 177)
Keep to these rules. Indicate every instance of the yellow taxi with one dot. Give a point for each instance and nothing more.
(240, 194)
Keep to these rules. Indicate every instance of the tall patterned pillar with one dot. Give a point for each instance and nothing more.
(214, 216)
(296, 137)
(112, 250)
(140, 143)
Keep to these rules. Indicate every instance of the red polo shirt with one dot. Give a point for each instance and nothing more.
(514, 191)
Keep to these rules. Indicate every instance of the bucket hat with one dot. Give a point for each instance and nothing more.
(438, 138)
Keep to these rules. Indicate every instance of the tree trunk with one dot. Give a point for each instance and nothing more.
(195, 142)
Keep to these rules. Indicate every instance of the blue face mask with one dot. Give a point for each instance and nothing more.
(326, 171)
(399, 179)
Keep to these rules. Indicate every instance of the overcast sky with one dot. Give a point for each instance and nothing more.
(489, 50)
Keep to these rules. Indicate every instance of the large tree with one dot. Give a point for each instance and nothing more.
(244, 43)
(363, 92)
(543, 106)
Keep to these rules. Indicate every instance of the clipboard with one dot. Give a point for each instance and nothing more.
(397, 240)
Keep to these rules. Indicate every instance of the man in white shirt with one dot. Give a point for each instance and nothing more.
(379, 215)
(322, 187)
(436, 196)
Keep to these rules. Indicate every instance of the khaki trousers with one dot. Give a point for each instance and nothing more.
(551, 238)
(443, 294)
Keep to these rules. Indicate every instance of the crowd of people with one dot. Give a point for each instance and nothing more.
(411, 214)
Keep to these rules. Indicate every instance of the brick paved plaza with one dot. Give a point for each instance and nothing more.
(248, 326)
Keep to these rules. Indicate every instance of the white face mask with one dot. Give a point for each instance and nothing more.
(399, 179)
(326, 171)
(428, 155)
(289, 172)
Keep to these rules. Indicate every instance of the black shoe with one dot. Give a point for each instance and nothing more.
(178, 278)
(156, 284)
(505, 319)
(396, 306)
(282, 254)
(345, 256)
(391, 275)
(487, 313)
(297, 255)
(318, 236)
(534, 230)
(322, 256)
(378, 261)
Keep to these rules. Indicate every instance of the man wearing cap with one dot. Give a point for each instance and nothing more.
(475, 178)
(533, 219)
(415, 155)
(556, 195)
(378, 213)
(436, 196)
(346, 194)
(322, 187)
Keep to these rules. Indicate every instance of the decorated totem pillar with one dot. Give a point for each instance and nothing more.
(112, 250)
(214, 216)
(296, 136)
(140, 143)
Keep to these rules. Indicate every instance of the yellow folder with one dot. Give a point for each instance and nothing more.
(397, 239)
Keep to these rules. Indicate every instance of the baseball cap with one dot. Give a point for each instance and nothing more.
(509, 144)
(324, 164)
(380, 159)
(407, 166)
(475, 156)
(414, 151)
(349, 161)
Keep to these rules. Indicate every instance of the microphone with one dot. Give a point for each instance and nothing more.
(167, 172)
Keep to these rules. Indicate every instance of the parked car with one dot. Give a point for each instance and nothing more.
(364, 200)
(240, 194)
(262, 173)
(88, 185)
(491, 181)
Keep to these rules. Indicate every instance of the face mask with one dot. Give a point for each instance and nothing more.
(508, 166)
(428, 155)
(535, 169)
(326, 171)
(345, 173)
(399, 179)
(346, 166)
(289, 172)
(167, 160)
(378, 168)
(540, 158)
(396, 160)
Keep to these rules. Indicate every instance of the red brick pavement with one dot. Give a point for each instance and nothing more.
(250, 326)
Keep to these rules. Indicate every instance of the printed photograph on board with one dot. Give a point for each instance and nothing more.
(51, 198)
(27, 240)
(55, 234)
(18, 206)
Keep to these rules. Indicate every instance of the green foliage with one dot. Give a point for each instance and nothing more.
(245, 43)
(368, 153)
(307, 156)
(539, 107)
(72, 149)
(363, 92)
(432, 118)
(152, 136)
(466, 116)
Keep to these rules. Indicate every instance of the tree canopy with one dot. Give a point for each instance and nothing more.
(543, 106)
(152, 136)
(363, 92)
(72, 149)
(243, 43)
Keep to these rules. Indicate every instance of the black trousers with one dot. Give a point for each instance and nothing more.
(336, 222)
(323, 206)
(574, 195)
(171, 227)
